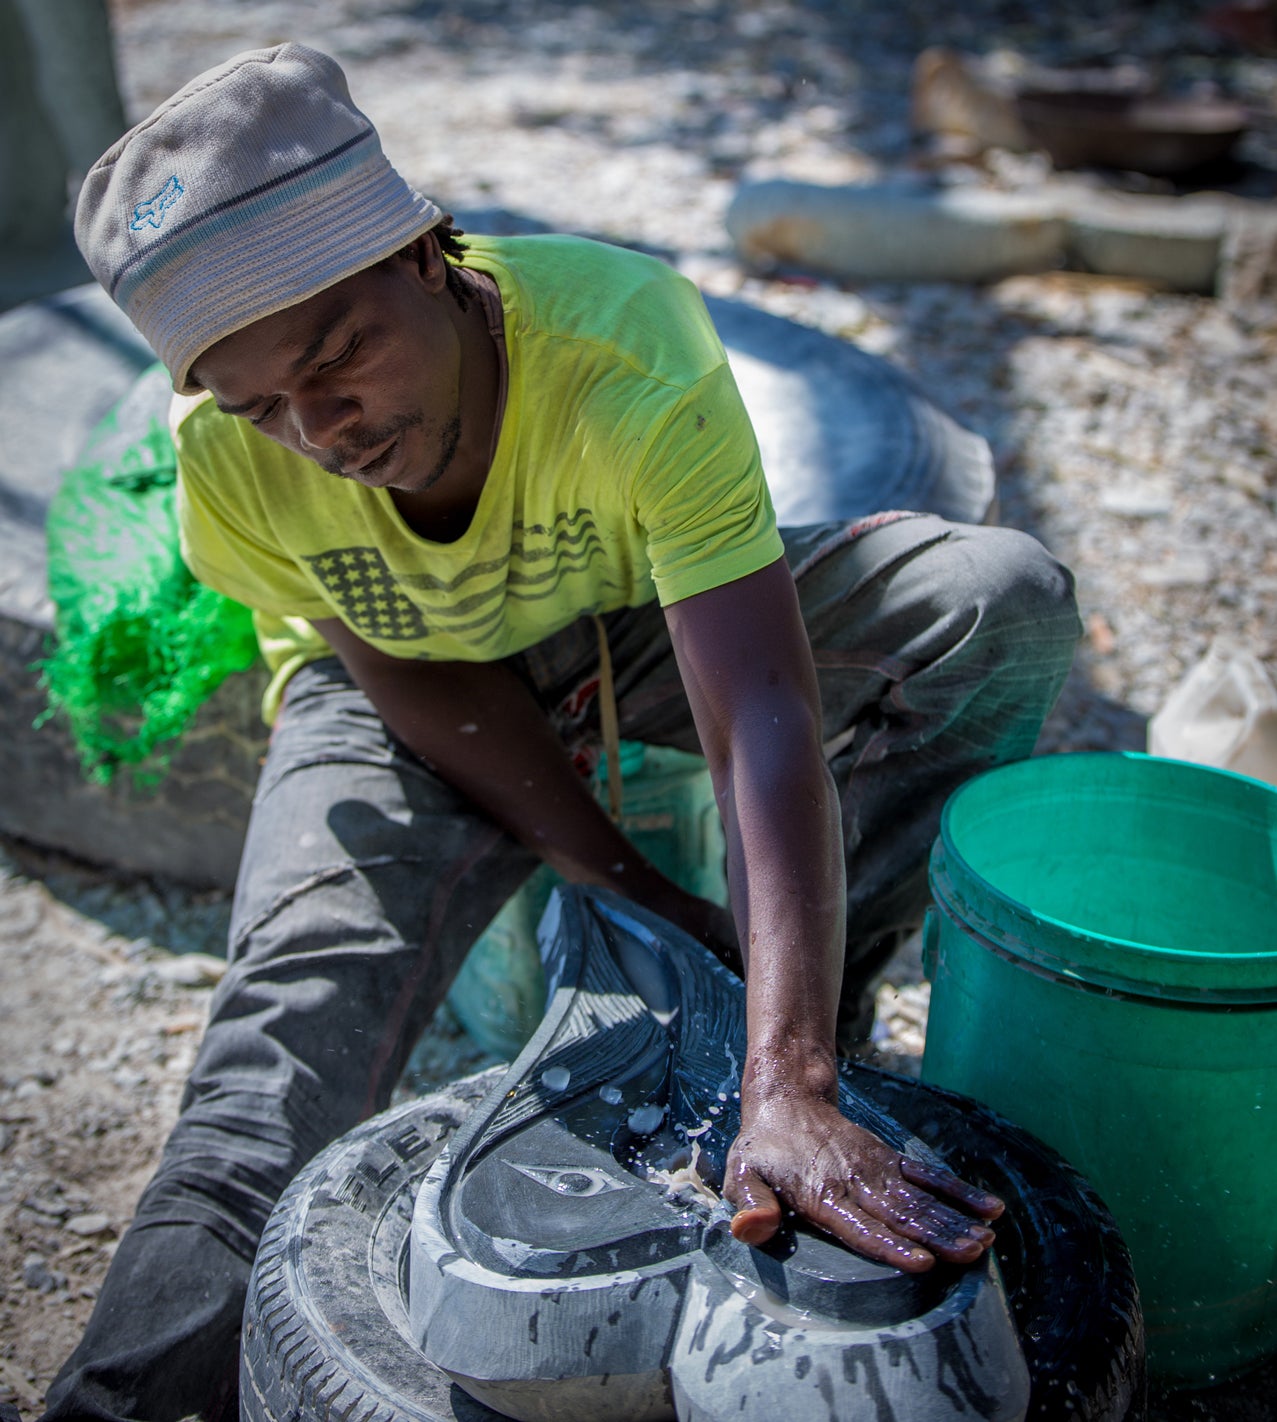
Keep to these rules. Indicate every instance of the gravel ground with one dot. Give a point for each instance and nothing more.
(1134, 432)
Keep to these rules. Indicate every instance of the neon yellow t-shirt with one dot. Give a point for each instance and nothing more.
(626, 469)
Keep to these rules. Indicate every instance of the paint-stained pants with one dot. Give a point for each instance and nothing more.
(365, 879)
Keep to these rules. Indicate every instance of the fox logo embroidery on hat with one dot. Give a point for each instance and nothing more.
(153, 211)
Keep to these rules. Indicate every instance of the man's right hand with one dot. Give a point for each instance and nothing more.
(798, 1151)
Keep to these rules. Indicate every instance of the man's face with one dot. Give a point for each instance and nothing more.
(364, 378)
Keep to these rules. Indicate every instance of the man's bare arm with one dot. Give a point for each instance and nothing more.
(477, 725)
(746, 662)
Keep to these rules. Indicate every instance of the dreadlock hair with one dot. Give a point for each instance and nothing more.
(454, 251)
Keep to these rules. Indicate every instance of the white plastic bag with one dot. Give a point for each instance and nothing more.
(1224, 713)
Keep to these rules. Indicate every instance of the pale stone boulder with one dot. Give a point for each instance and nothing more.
(884, 232)
(1174, 242)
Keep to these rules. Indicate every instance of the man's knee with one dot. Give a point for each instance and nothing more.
(1021, 630)
(990, 625)
(1027, 575)
(1025, 596)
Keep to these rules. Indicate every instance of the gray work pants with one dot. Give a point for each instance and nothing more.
(365, 880)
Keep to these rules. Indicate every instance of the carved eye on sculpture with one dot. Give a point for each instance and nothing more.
(576, 1182)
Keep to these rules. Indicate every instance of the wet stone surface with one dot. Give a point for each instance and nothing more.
(575, 1190)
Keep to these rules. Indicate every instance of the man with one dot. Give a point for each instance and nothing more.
(496, 480)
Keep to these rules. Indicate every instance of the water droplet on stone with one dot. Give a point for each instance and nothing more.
(646, 1119)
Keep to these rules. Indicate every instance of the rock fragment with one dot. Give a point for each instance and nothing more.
(88, 1225)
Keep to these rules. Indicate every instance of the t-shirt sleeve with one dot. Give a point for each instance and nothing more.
(701, 494)
(225, 534)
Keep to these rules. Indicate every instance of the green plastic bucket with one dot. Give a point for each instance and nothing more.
(1103, 957)
(669, 813)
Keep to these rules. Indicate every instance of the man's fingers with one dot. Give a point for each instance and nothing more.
(757, 1215)
(911, 1212)
(960, 1248)
(916, 1213)
(870, 1237)
(934, 1177)
(953, 1236)
(755, 1226)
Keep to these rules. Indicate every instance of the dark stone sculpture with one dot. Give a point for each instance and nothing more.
(555, 1273)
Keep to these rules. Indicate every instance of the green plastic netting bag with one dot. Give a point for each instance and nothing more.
(140, 645)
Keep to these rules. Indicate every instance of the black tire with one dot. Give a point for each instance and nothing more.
(1066, 1267)
(325, 1327)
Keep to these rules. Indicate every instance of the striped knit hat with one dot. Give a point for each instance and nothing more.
(255, 186)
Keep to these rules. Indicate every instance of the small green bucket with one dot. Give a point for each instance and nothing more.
(1103, 958)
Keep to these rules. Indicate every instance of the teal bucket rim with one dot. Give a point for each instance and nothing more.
(1070, 951)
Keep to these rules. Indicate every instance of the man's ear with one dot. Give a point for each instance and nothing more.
(427, 256)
